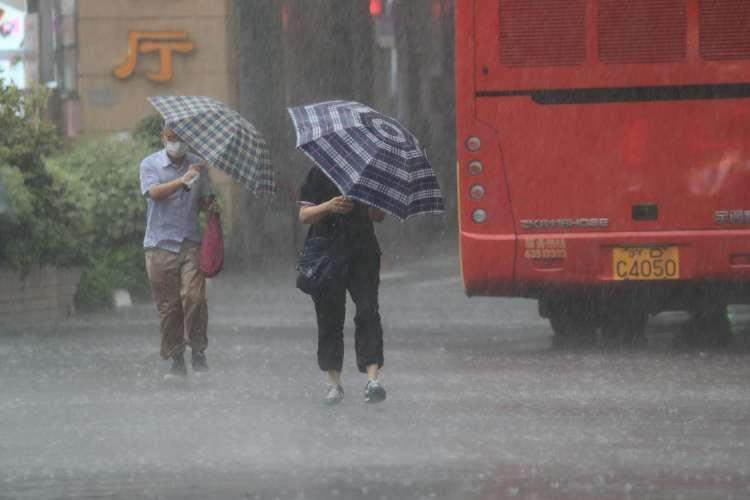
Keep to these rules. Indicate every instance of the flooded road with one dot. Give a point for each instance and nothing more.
(479, 406)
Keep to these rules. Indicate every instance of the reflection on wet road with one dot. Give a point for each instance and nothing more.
(479, 406)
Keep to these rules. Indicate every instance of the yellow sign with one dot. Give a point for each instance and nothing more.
(646, 263)
(146, 42)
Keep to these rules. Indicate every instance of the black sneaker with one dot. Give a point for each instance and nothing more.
(334, 395)
(178, 369)
(199, 362)
(374, 392)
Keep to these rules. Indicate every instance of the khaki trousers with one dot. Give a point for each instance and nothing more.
(179, 290)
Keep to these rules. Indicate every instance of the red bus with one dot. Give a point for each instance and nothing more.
(603, 154)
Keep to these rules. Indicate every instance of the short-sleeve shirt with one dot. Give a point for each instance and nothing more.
(357, 224)
(171, 221)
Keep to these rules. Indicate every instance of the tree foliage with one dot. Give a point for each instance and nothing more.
(148, 131)
(42, 223)
(81, 206)
(104, 174)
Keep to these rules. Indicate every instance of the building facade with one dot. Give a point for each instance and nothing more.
(104, 58)
(129, 50)
(132, 49)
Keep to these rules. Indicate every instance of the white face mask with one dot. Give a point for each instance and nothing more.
(176, 148)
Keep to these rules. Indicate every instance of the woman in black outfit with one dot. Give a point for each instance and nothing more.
(328, 212)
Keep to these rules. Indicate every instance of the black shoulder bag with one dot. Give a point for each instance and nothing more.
(322, 260)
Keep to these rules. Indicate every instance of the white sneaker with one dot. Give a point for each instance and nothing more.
(374, 392)
(334, 395)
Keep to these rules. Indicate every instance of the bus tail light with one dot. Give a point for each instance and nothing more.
(473, 143)
(479, 216)
(476, 191)
(475, 167)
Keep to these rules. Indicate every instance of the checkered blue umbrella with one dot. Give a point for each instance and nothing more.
(369, 156)
(221, 136)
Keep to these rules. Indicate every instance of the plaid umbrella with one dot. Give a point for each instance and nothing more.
(369, 156)
(221, 136)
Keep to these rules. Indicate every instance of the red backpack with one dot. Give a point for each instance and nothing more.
(212, 246)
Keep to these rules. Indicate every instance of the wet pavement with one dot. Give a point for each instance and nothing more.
(479, 406)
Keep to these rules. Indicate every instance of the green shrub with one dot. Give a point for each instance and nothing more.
(104, 175)
(80, 207)
(121, 267)
(42, 223)
(4, 202)
(19, 198)
(148, 131)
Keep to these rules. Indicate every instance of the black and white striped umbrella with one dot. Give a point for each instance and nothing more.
(221, 136)
(370, 157)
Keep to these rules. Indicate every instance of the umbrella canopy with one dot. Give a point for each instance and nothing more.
(369, 156)
(221, 136)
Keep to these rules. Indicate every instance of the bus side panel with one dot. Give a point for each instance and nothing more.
(487, 248)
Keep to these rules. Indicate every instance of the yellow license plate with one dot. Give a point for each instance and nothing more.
(645, 263)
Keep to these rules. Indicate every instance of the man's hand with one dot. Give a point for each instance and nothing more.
(209, 204)
(193, 171)
(340, 205)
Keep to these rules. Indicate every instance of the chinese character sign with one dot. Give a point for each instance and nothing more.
(146, 42)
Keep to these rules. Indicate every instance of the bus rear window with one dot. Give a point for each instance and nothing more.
(724, 29)
(542, 32)
(642, 31)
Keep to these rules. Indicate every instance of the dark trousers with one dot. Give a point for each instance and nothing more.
(362, 280)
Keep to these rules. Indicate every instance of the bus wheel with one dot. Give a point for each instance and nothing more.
(573, 328)
(624, 329)
(709, 327)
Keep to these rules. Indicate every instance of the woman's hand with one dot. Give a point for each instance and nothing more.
(376, 214)
(340, 205)
(310, 214)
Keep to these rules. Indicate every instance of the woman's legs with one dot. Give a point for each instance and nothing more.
(372, 371)
(334, 377)
(330, 309)
(368, 333)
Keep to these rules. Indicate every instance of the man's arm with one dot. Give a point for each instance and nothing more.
(163, 191)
